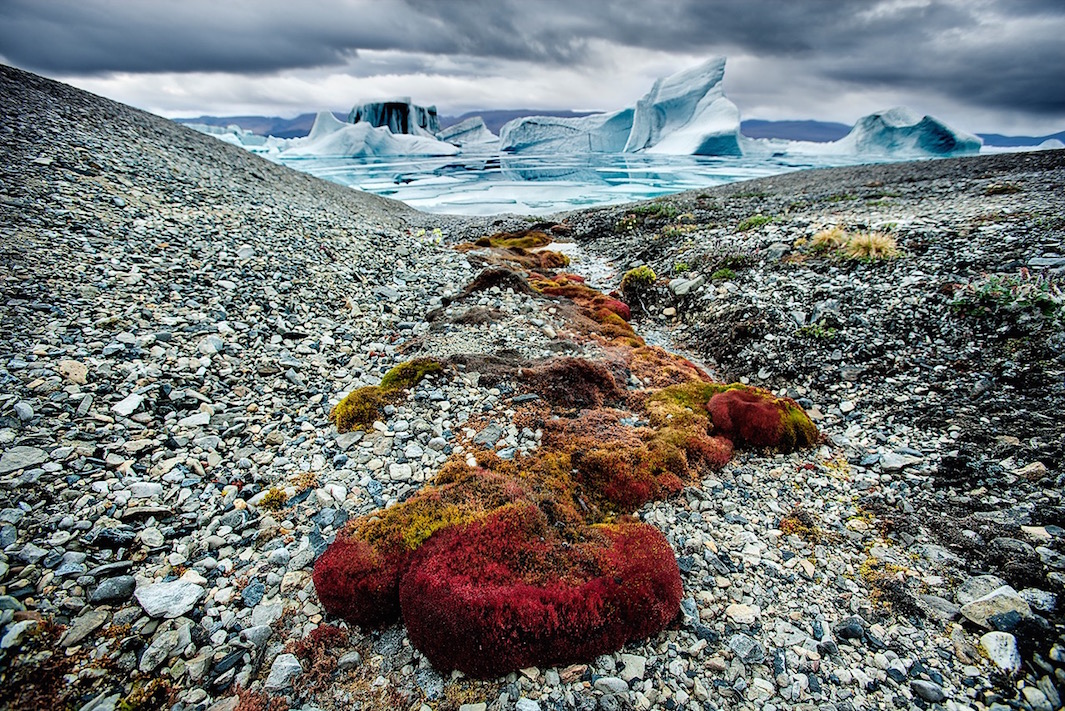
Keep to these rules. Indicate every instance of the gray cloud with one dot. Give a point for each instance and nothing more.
(991, 54)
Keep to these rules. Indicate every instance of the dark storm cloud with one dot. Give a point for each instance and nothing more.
(968, 50)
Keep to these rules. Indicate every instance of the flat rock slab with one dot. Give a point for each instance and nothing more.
(169, 600)
(18, 458)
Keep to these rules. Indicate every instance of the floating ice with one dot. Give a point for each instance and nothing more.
(901, 131)
(598, 133)
(400, 116)
(687, 114)
(330, 137)
(683, 114)
(472, 131)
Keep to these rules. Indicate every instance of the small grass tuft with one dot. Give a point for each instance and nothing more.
(829, 240)
(274, 499)
(723, 274)
(871, 246)
(753, 222)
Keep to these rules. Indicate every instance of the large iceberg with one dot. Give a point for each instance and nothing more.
(400, 116)
(902, 132)
(687, 114)
(470, 132)
(331, 137)
(684, 114)
(598, 133)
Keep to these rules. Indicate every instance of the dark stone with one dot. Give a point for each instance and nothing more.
(117, 589)
(253, 593)
(850, 628)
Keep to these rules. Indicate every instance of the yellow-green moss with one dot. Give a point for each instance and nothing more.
(358, 410)
(406, 375)
(638, 280)
(274, 499)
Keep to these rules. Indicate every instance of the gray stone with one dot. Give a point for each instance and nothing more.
(198, 419)
(82, 627)
(997, 602)
(127, 405)
(746, 648)
(349, 661)
(15, 632)
(524, 704)
(158, 650)
(1040, 599)
(1001, 649)
(611, 685)
(938, 607)
(117, 589)
(891, 462)
(976, 587)
(635, 667)
(1037, 699)
(776, 251)
(24, 411)
(488, 436)
(256, 636)
(169, 600)
(927, 690)
(283, 672)
(18, 458)
(145, 489)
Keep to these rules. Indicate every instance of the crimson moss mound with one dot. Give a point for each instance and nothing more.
(533, 561)
(510, 592)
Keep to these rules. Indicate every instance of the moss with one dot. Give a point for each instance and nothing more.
(526, 239)
(723, 274)
(274, 499)
(406, 375)
(638, 281)
(359, 409)
(145, 696)
(801, 523)
(752, 222)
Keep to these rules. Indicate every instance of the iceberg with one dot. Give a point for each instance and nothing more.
(901, 131)
(472, 131)
(683, 114)
(399, 116)
(331, 137)
(598, 133)
(687, 114)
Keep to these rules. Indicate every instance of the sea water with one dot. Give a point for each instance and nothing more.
(494, 183)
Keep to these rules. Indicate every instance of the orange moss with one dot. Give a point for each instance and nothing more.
(659, 368)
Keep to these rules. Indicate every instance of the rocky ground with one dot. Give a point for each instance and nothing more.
(179, 316)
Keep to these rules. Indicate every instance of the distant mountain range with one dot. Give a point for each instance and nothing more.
(817, 131)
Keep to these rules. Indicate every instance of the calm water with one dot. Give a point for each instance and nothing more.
(490, 184)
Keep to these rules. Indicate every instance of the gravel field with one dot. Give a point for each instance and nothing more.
(178, 318)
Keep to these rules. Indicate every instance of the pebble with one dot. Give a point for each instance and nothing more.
(1001, 649)
(169, 600)
(283, 671)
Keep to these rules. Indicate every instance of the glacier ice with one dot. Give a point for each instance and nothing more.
(901, 131)
(598, 133)
(472, 131)
(400, 116)
(331, 137)
(687, 114)
(683, 114)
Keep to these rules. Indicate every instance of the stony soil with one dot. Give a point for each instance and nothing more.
(178, 317)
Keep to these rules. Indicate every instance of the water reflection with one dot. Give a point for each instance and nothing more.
(490, 183)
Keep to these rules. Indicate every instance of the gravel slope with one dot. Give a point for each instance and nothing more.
(178, 317)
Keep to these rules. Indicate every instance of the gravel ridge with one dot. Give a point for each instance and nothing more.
(179, 315)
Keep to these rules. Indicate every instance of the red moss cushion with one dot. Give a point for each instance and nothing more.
(508, 592)
(759, 419)
(358, 584)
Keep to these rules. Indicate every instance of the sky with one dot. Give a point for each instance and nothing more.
(988, 66)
